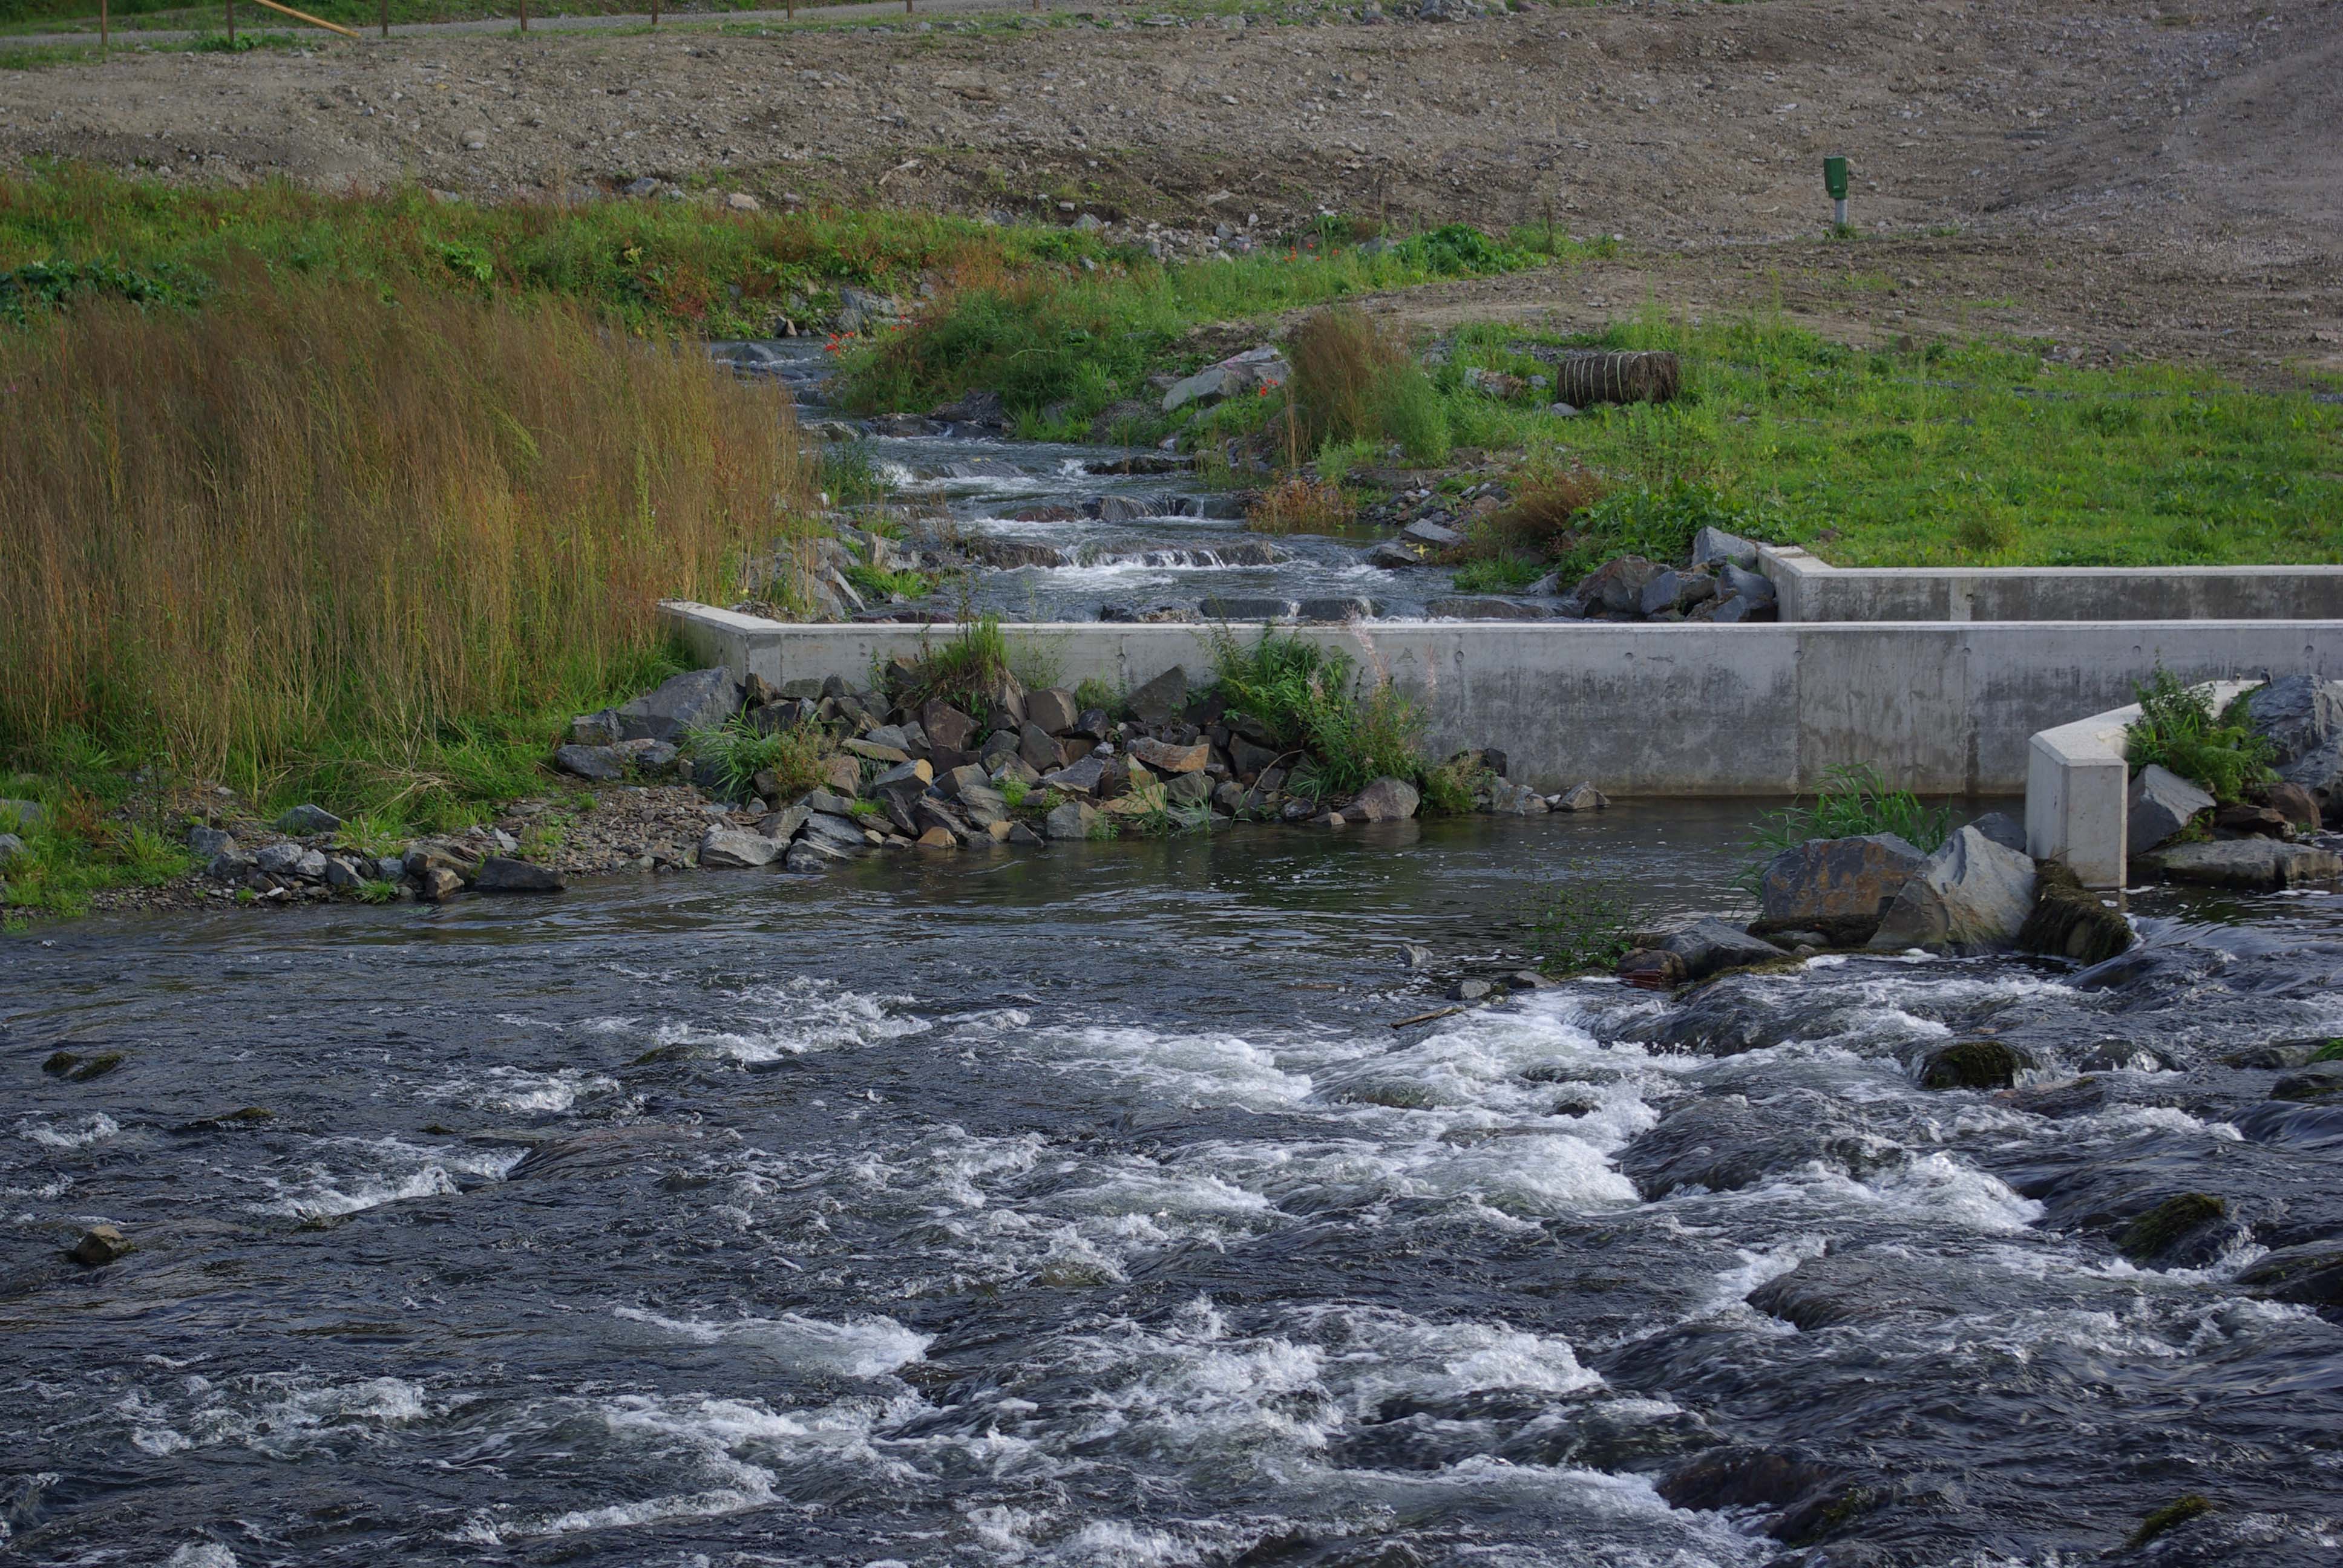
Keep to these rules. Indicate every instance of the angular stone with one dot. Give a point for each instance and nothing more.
(1582, 797)
(842, 774)
(947, 726)
(1336, 611)
(1087, 777)
(507, 874)
(1737, 610)
(783, 825)
(805, 856)
(25, 815)
(735, 848)
(1617, 585)
(698, 700)
(1053, 710)
(596, 762)
(1391, 556)
(963, 777)
(1757, 589)
(2319, 1081)
(1709, 945)
(1431, 535)
(1248, 758)
(1840, 887)
(595, 729)
(1510, 799)
(1155, 702)
(1165, 757)
(1024, 836)
(279, 859)
(938, 837)
(1384, 800)
(308, 820)
(1038, 749)
(1094, 725)
(1248, 607)
(226, 866)
(100, 1245)
(2294, 804)
(1715, 547)
(1972, 895)
(2002, 829)
(209, 841)
(341, 872)
(2161, 803)
(437, 884)
(893, 756)
(1974, 1064)
(841, 834)
(2257, 863)
(1652, 968)
(1071, 821)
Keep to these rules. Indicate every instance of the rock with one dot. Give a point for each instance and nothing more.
(1652, 968)
(1384, 800)
(228, 866)
(2249, 821)
(1709, 944)
(878, 750)
(968, 776)
(1715, 547)
(2302, 718)
(648, 755)
(1470, 990)
(507, 874)
(1087, 777)
(1484, 607)
(1972, 895)
(2309, 1275)
(210, 842)
(1755, 588)
(12, 850)
(1247, 607)
(1582, 797)
(1840, 887)
(23, 815)
(437, 884)
(1053, 711)
(1092, 726)
(1736, 610)
(281, 859)
(1431, 535)
(1509, 799)
(1675, 590)
(1155, 702)
(100, 1245)
(1391, 556)
(2070, 921)
(1974, 1064)
(1071, 821)
(1165, 757)
(805, 857)
(741, 201)
(842, 774)
(595, 729)
(1335, 611)
(2263, 864)
(698, 700)
(1617, 585)
(1255, 368)
(341, 872)
(2153, 1237)
(2319, 1081)
(598, 762)
(2002, 829)
(1024, 836)
(841, 835)
(938, 837)
(947, 726)
(308, 820)
(2297, 806)
(2161, 803)
(1038, 750)
(782, 825)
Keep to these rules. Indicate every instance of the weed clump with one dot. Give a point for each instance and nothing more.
(2176, 729)
(1351, 382)
(1854, 801)
(1305, 696)
(735, 754)
(1297, 504)
(1583, 926)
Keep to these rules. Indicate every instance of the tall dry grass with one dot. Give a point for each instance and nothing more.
(1351, 381)
(312, 526)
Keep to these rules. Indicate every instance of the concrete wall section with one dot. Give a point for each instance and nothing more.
(1661, 709)
(2078, 792)
(1813, 590)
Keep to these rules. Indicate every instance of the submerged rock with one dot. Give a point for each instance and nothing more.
(2259, 864)
(100, 1245)
(2167, 1227)
(1709, 945)
(2309, 1275)
(2070, 921)
(1974, 1064)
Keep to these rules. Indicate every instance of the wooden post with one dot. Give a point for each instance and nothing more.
(524, 16)
(654, 12)
(104, 29)
(386, 18)
(231, 21)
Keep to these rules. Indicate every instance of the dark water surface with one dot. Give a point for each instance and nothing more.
(1084, 1208)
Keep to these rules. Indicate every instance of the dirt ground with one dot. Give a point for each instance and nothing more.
(2124, 176)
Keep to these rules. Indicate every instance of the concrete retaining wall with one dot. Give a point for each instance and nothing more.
(1814, 590)
(1665, 709)
(2078, 792)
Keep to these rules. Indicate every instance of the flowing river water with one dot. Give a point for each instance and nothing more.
(1084, 1207)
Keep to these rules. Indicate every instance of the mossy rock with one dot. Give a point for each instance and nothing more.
(2309, 1275)
(74, 1069)
(2156, 1234)
(2179, 1511)
(2070, 921)
(1974, 1064)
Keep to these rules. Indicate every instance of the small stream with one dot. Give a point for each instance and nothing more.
(1164, 541)
(1084, 1207)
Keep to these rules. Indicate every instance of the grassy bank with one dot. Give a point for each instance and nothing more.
(321, 544)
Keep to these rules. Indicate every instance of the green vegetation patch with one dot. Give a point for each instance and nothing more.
(2178, 729)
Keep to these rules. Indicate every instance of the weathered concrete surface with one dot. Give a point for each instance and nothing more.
(1666, 709)
(1809, 589)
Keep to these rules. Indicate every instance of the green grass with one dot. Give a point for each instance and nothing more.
(735, 752)
(130, 16)
(2178, 729)
(1953, 453)
(1582, 927)
(872, 583)
(1308, 696)
(90, 837)
(1854, 801)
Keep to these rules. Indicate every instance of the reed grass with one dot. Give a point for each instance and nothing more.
(318, 539)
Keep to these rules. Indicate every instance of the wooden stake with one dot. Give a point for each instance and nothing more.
(105, 27)
(654, 12)
(386, 18)
(524, 16)
(231, 21)
(304, 16)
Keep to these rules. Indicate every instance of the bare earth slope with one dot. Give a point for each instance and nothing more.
(2118, 178)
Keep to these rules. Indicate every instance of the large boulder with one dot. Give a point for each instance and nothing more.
(2302, 718)
(1052, 710)
(1165, 757)
(602, 763)
(1617, 585)
(698, 700)
(1384, 800)
(1155, 702)
(1839, 887)
(2161, 805)
(1708, 945)
(2263, 864)
(1715, 547)
(508, 874)
(733, 846)
(1973, 894)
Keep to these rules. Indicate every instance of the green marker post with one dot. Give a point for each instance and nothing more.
(1835, 182)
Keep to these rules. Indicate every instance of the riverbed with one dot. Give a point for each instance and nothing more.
(1085, 1207)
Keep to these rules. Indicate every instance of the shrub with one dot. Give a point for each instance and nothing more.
(963, 670)
(735, 751)
(1298, 505)
(1854, 801)
(2176, 729)
(1305, 696)
(1583, 926)
(1351, 382)
(1448, 790)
